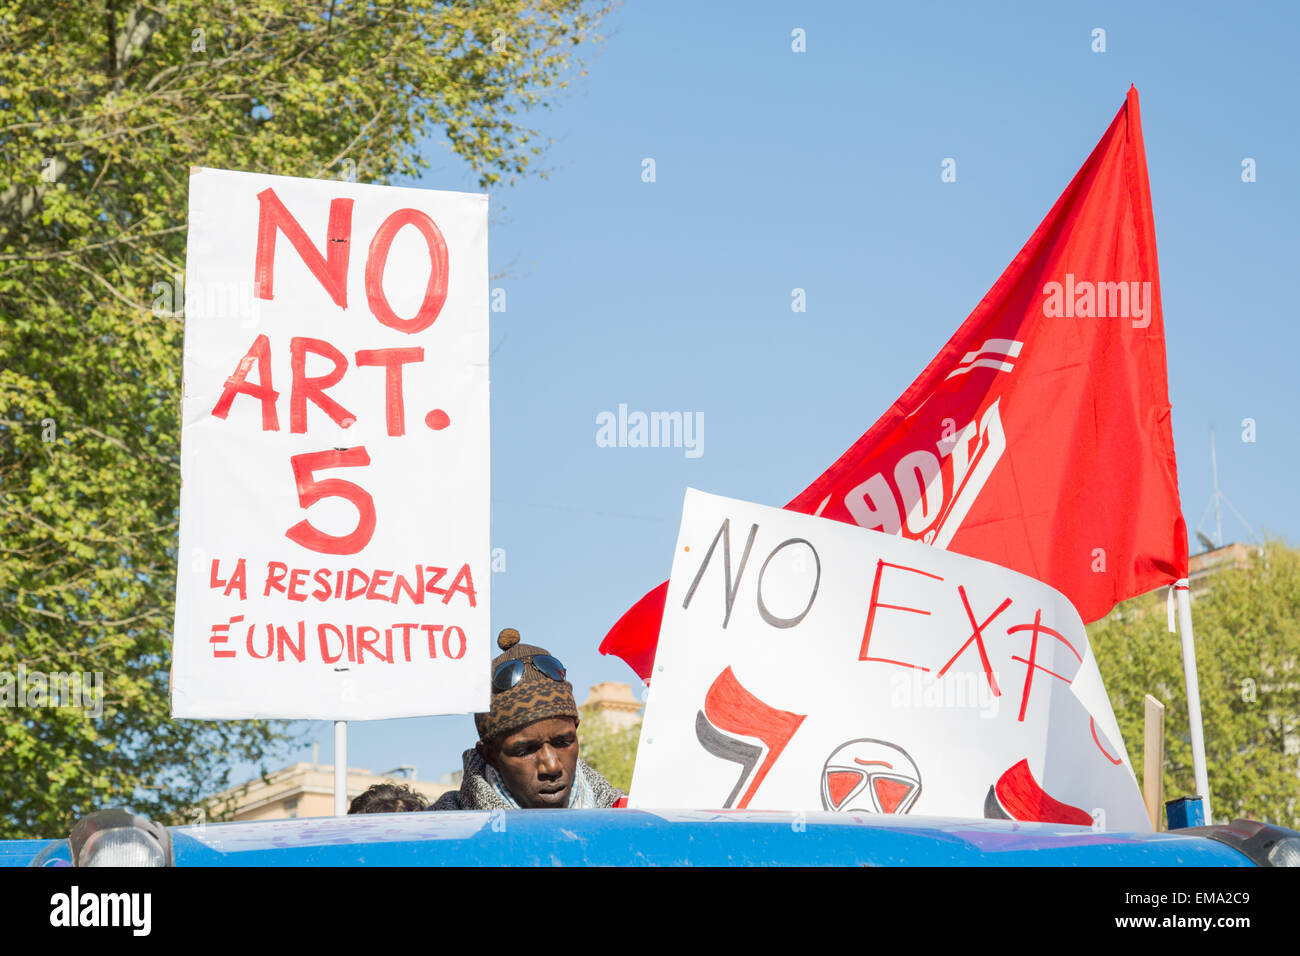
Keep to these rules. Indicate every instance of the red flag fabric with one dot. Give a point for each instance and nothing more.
(1039, 437)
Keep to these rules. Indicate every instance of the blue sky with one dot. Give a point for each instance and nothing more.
(777, 170)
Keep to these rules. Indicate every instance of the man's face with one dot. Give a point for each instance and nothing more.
(537, 762)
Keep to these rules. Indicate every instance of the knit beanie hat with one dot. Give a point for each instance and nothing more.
(535, 697)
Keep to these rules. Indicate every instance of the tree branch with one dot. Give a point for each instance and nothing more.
(125, 237)
(18, 201)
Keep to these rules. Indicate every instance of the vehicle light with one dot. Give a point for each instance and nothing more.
(1285, 852)
(1265, 843)
(120, 838)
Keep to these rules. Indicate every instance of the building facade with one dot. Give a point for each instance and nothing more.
(307, 789)
(304, 790)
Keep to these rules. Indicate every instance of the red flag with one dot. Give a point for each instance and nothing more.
(1039, 437)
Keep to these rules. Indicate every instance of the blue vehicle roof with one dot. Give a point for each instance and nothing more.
(666, 838)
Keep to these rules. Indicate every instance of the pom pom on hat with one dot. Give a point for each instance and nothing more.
(507, 639)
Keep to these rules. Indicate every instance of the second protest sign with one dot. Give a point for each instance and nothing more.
(805, 664)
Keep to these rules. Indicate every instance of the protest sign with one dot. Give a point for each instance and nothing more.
(805, 664)
(333, 556)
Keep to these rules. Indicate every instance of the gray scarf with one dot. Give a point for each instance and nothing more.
(483, 789)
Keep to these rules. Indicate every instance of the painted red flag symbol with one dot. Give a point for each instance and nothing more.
(1039, 437)
(1019, 796)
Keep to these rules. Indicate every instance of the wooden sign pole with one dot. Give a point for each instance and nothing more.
(1153, 760)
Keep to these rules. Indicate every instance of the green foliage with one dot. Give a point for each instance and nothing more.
(610, 750)
(102, 112)
(1247, 626)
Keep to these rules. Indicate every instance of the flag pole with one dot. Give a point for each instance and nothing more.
(341, 768)
(1182, 597)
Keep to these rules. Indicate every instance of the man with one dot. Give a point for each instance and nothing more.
(527, 753)
(388, 798)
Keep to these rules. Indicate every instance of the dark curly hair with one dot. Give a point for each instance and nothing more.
(388, 798)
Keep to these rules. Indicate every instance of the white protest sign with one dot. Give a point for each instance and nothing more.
(806, 664)
(334, 554)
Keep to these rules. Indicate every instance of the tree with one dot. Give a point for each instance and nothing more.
(609, 749)
(102, 116)
(1247, 626)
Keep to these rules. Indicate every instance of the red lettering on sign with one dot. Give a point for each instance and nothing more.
(414, 592)
(237, 384)
(282, 640)
(359, 643)
(429, 630)
(310, 491)
(325, 654)
(430, 586)
(270, 642)
(464, 583)
(977, 635)
(460, 645)
(220, 635)
(237, 580)
(875, 603)
(1038, 627)
(297, 578)
(406, 639)
(365, 643)
(313, 387)
(330, 269)
(391, 360)
(378, 580)
(275, 574)
(435, 292)
(321, 577)
(358, 581)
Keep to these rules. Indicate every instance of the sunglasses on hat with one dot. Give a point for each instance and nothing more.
(512, 672)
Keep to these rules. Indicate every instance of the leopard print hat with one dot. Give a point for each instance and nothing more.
(535, 697)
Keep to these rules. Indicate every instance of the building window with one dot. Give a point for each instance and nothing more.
(291, 808)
